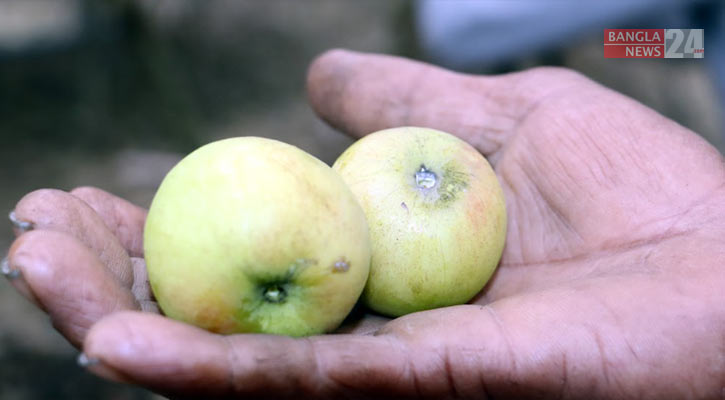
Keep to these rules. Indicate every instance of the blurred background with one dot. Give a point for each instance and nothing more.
(112, 93)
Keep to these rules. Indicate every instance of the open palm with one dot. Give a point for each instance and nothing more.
(610, 285)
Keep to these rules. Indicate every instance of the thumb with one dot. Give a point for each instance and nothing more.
(361, 93)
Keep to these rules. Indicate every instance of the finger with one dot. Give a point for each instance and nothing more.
(409, 358)
(562, 342)
(19, 226)
(361, 93)
(64, 278)
(126, 220)
(175, 358)
(141, 288)
(436, 354)
(49, 209)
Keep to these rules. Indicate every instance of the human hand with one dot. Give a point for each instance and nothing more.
(610, 285)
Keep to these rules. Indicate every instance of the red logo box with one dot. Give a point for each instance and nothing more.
(634, 43)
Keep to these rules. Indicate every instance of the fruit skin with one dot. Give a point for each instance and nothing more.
(432, 247)
(241, 223)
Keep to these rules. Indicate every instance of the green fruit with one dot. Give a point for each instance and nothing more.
(254, 235)
(436, 214)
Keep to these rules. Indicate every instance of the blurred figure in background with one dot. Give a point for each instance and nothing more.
(483, 36)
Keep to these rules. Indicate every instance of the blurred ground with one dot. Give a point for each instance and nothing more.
(132, 88)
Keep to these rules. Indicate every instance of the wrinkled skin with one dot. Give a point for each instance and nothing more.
(610, 286)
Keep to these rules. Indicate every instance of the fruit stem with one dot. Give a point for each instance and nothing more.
(274, 294)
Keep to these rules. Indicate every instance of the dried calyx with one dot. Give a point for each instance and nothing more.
(424, 178)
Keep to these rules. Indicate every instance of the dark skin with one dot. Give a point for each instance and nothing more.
(610, 285)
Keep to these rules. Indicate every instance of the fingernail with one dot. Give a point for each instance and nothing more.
(8, 272)
(95, 366)
(15, 277)
(22, 226)
(85, 361)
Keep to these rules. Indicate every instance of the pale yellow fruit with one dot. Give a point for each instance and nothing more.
(436, 214)
(254, 235)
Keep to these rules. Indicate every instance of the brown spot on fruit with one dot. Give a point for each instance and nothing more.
(341, 265)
